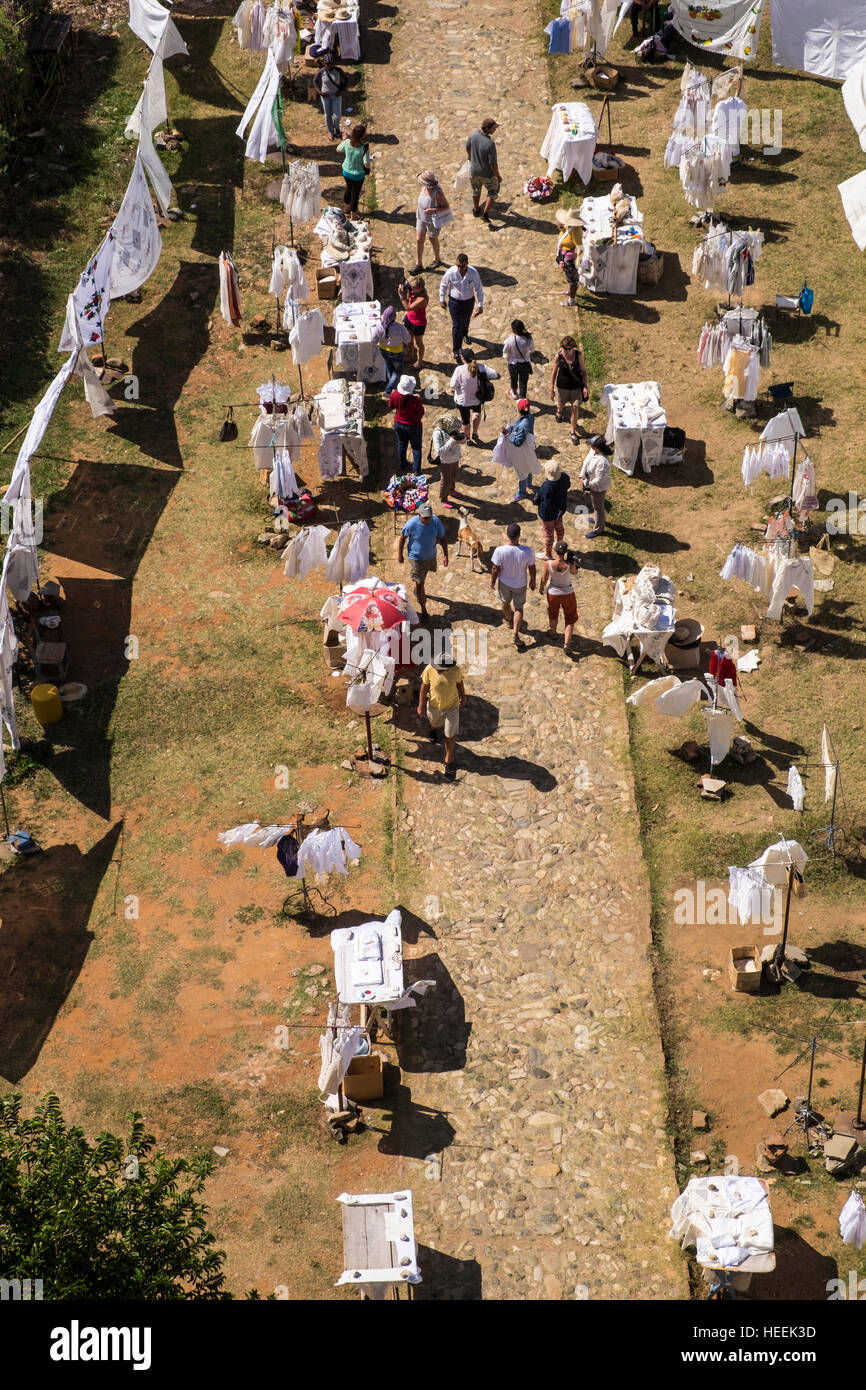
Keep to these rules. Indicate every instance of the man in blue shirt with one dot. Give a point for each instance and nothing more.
(421, 535)
(521, 435)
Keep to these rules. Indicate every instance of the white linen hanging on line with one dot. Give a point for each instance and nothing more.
(854, 97)
(852, 1221)
(828, 758)
(327, 851)
(853, 195)
(720, 728)
(91, 299)
(305, 552)
(259, 837)
(371, 677)
(307, 335)
(826, 39)
(282, 482)
(153, 91)
(730, 26)
(287, 276)
(137, 242)
(95, 393)
(795, 788)
(149, 114)
(652, 690)
(8, 657)
(152, 23)
(263, 133)
(338, 1045)
(19, 483)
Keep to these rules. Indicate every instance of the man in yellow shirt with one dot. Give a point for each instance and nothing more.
(441, 696)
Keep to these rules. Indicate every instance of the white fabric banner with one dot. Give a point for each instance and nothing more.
(151, 23)
(137, 242)
(153, 92)
(826, 40)
(854, 97)
(263, 134)
(853, 194)
(728, 26)
(91, 299)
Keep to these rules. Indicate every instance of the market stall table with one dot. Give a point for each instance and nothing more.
(339, 413)
(343, 31)
(729, 1224)
(378, 1242)
(570, 140)
(643, 615)
(610, 256)
(636, 423)
(356, 270)
(357, 352)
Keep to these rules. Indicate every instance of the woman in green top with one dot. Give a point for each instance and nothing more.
(356, 165)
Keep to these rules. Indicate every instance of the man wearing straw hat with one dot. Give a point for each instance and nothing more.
(568, 250)
(432, 204)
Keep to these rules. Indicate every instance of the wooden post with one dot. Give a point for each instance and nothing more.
(369, 735)
(860, 1123)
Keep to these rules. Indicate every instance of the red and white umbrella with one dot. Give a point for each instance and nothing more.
(372, 610)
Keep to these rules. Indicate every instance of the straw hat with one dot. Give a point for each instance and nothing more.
(343, 12)
(568, 217)
(428, 178)
(338, 247)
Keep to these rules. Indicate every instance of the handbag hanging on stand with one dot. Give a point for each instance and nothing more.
(228, 429)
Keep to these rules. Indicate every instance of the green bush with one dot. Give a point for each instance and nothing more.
(16, 16)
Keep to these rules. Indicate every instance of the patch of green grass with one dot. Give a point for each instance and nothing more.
(249, 914)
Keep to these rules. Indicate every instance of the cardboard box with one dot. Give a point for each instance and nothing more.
(683, 658)
(364, 1080)
(650, 271)
(335, 649)
(327, 282)
(745, 981)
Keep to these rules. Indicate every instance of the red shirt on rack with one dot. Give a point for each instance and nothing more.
(723, 668)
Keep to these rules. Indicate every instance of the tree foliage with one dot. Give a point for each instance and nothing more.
(104, 1220)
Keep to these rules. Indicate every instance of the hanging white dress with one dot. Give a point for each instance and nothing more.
(262, 132)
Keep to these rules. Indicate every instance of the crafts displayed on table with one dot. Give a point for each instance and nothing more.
(406, 492)
(339, 413)
(357, 349)
(337, 27)
(636, 426)
(644, 614)
(612, 244)
(570, 141)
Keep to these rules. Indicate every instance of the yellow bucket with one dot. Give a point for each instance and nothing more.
(47, 704)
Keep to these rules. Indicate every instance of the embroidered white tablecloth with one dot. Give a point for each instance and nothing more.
(570, 141)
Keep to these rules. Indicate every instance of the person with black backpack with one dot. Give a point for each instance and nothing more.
(330, 82)
(472, 387)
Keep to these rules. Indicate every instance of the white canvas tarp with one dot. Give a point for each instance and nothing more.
(729, 26)
(151, 23)
(853, 195)
(854, 97)
(826, 40)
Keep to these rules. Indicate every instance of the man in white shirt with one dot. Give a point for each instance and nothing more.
(511, 564)
(459, 289)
